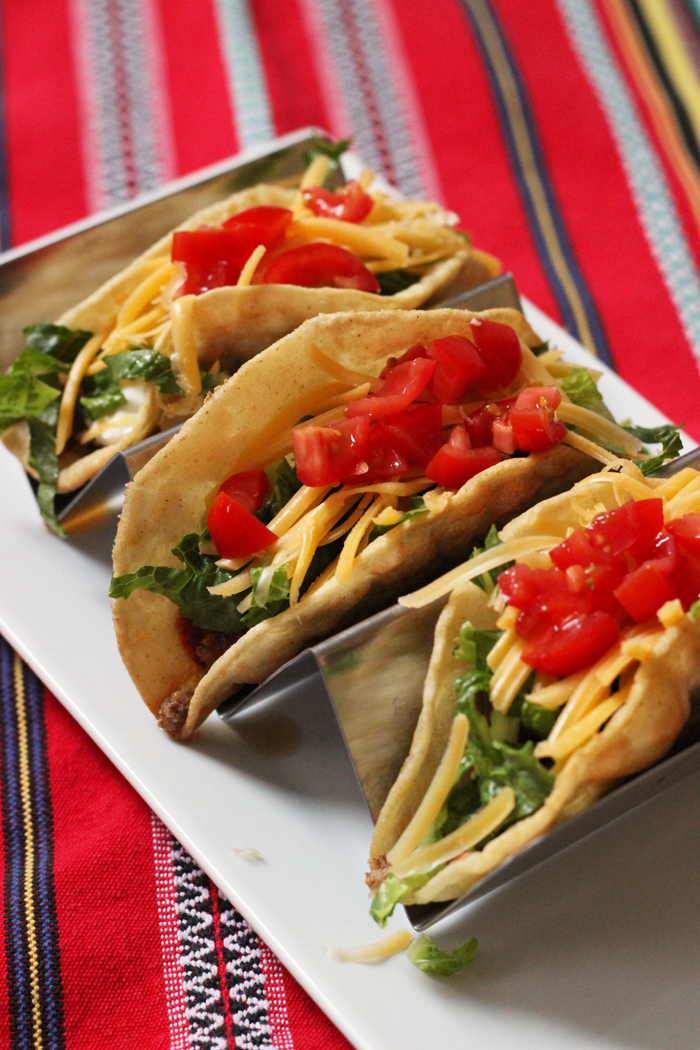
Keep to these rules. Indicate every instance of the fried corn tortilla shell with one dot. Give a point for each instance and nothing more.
(232, 324)
(234, 430)
(637, 735)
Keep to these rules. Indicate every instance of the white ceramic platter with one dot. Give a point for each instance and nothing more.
(596, 948)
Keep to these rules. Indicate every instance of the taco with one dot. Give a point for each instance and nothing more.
(140, 353)
(308, 490)
(563, 662)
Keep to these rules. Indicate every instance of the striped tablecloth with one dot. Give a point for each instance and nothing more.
(566, 133)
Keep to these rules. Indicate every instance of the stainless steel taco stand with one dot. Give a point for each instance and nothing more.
(360, 693)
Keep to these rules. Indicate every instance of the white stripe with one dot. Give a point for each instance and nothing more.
(276, 999)
(245, 73)
(111, 175)
(389, 109)
(403, 78)
(89, 138)
(335, 103)
(159, 92)
(646, 179)
(169, 939)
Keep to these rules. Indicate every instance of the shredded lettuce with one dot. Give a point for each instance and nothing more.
(393, 281)
(391, 892)
(426, 955)
(581, 387)
(332, 150)
(668, 436)
(418, 507)
(283, 484)
(487, 580)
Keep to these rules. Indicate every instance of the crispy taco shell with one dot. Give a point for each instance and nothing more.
(637, 735)
(232, 324)
(233, 431)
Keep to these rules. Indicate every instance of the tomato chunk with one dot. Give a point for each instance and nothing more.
(351, 204)
(532, 419)
(645, 590)
(328, 455)
(215, 256)
(459, 367)
(500, 347)
(236, 532)
(250, 488)
(577, 643)
(417, 432)
(687, 531)
(383, 459)
(319, 265)
(402, 384)
(456, 462)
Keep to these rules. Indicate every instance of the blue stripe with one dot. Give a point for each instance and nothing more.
(5, 227)
(645, 176)
(47, 926)
(20, 1004)
(476, 11)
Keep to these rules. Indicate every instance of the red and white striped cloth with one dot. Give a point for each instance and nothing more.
(564, 132)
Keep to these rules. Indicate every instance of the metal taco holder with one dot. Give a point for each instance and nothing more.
(63, 268)
(361, 692)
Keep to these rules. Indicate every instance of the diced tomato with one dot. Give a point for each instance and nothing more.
(417, 432)
(503, 436)
(500, 347)
(522, 585)
(539, 397)
(459, 367)
(214, 257)
(327, 455)
(250, 488)
(577, 549)
(382, 460)
(686, 579)
(532, 419)
(351, 204)
(318, 265)
(687, 531)
(414, 351)
(553, 607)
(236, 532)
(479, 424)
(644, 590)
(264, 224)
(456, 462)
(564, 649)
(402, 385)
(632, 527)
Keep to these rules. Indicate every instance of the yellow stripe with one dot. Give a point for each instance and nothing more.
(678, 63)
(25, 791)
(661, 112)
(529, 164)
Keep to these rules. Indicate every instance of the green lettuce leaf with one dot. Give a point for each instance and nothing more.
(474, 645)
(187, 587)
(54, 340)
(332, 150)
(143, 363)
(581, 387)
(487, 580)
(426, 955)
(390, 893)
(283, 484)
(418, 507)
(43, 459)
(393, 281)
(667, 436)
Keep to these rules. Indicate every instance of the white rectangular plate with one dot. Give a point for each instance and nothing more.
(596, 948)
